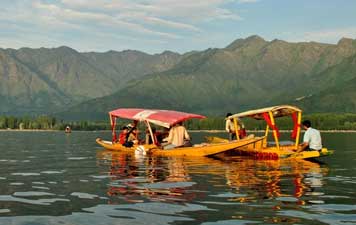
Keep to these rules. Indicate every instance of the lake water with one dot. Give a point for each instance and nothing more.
(54, 178)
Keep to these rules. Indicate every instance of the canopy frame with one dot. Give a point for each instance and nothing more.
(269, 114)
(163, 118)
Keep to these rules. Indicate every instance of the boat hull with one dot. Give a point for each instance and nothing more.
(283, 152)
(204, 149)
(259, 150)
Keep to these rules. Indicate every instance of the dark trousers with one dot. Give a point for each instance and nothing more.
(232, 136)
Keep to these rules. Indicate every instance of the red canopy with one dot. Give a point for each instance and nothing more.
(164, 118)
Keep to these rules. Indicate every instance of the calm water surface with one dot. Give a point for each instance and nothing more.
(54, 178)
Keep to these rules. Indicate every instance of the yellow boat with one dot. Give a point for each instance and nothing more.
(165, 118)
(263, 149)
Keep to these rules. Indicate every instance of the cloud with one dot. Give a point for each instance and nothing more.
(143, 21)
(247, 1)
(189, 11)
(51, 12)
(149, 17)
(167, 23)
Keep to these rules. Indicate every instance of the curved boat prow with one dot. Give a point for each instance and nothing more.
(311, 154)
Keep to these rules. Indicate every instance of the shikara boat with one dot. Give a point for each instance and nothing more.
(263, 149)
(167, 119)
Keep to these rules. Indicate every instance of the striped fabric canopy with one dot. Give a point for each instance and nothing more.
(164, 118)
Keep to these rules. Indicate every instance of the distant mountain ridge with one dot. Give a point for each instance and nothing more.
(46, 80)
(248, 73)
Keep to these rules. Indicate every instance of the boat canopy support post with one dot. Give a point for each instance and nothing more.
(275, 135)
(150, 130)
(113, 124)
(264, 144)
(236, 129)
(298, 130)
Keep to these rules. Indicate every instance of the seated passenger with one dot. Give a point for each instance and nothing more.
(123, 135)
(178, 136)
(242, 130)
(132, 138)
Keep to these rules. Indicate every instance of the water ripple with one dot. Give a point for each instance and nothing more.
(84, 195)
(9, 198)
(5, 210)
(327, 218)
(230, 222)
(26, 174)
(52, 172)
(31, 193)
(38, 187)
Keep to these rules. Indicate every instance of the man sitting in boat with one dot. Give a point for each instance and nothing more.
(311, 139)
(178, 137)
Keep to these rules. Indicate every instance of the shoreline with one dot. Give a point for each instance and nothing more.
(281, 131)
(191, 131)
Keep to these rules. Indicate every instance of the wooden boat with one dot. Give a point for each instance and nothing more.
(263, 149)
(164, 118)
(203, 149)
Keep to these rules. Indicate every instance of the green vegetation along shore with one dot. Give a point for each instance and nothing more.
(322, 121)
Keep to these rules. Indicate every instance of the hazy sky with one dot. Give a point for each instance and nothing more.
(153, 26)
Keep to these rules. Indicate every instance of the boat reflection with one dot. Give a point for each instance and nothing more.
(136, 178)
(142, 178)
(275, 179)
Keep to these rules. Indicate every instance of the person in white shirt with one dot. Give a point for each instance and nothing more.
(177, 136)
(311, 139)
(230, 128)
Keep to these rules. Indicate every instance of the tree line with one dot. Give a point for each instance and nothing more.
(322, 121)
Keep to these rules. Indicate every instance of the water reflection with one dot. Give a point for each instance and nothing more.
(140, 179)
(136, 179)
(276, 178)
(50, 178)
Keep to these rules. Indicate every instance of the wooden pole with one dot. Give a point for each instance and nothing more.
(236, 129)
(298, 130)
(274, 131)
(264, 144)
(150, 130)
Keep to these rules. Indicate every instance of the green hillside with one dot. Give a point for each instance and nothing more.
(35, 81)
(337, 89)
(248, 73)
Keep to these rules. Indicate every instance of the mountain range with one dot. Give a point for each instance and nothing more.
(248, 73)
(36, 81)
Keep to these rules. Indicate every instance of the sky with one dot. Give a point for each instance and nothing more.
(153, 26)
